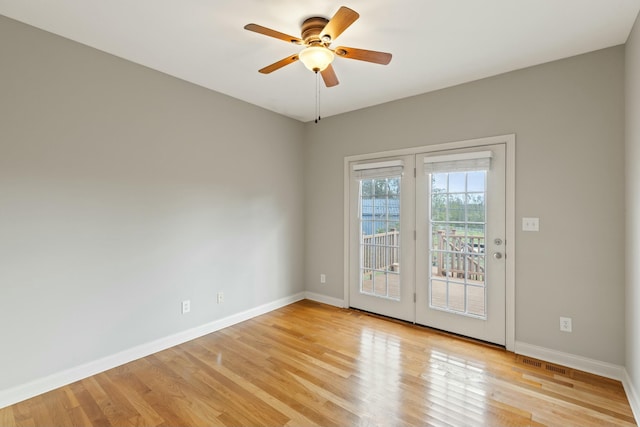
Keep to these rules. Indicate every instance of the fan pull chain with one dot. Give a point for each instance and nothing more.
(318, 118)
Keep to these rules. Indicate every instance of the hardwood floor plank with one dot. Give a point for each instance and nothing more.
(111, 405)
(601, 403)
(7, 419)
(274, 381)
(135, 390)
(78, 417)
(57, 403)
(40, 412)
(88, 404)
(279, 405)
(313, 364)
(179, 400)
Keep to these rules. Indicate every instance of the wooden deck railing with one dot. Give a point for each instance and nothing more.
(459, 254)
(380, 251)
(454, 255)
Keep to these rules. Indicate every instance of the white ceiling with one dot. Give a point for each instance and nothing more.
(435, 43)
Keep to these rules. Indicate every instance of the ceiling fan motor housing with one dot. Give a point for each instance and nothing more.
(311, 29)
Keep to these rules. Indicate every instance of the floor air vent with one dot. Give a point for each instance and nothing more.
(556, 369)
(545, 366)
(531, 362)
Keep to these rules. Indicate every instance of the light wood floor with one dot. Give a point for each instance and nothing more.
(312, 364)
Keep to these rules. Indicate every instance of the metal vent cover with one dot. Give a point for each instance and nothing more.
(544, 366)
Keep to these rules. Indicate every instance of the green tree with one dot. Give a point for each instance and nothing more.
(456, 208)
(380, 187)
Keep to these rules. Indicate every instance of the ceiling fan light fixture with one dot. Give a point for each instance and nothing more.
(316, 58)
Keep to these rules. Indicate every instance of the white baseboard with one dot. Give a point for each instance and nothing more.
(51, 382)
(592, 366)
(632, 395)
(336, 302)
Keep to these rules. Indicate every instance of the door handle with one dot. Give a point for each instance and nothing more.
(497, 255)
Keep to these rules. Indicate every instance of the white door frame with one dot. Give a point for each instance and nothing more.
(510, 223)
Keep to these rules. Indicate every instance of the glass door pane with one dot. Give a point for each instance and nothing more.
(379, 206)
(457, 231)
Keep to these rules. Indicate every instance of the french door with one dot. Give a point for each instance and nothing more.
(427, 239)
(381, 236)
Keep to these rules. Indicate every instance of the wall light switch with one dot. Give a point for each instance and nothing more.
(323, 278)
(530, 224)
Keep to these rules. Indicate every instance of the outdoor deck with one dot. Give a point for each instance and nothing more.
(475, 294)
(454, 258)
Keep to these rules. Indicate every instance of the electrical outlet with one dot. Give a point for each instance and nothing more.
(323, 278)
(565, 324)
(186, 306)
(220, 297)
(530, 224)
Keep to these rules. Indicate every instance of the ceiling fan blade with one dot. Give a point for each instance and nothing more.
(272, 33)
(363, 55)
(340, 22)
(279, 64)
(329, 77)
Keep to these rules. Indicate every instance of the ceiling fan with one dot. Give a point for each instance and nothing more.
(317, 34)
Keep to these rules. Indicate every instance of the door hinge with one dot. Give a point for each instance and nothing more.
(415, 235)
(414, 172)
(414, 297)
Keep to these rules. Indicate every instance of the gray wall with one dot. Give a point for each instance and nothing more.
(124, 191)
(568, 117)
(632, 156)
